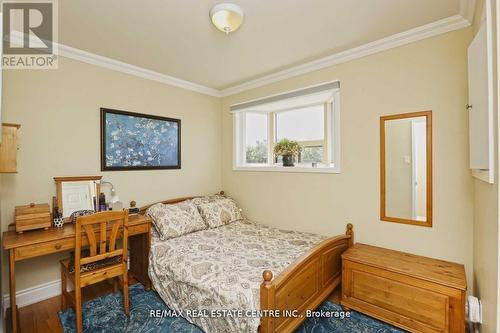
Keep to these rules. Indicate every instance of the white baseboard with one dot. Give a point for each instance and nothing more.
(34, 294)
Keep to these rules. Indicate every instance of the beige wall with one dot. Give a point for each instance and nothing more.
(59, 114)
(486, 251)
(426, 75)
(486, 234)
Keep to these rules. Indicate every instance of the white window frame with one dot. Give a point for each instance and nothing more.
(331, 142)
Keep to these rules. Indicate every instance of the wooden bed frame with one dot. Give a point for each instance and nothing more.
(303, 286)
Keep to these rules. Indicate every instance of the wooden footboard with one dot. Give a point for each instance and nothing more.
(302, 286)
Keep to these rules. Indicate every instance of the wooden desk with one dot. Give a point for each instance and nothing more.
(37, 243)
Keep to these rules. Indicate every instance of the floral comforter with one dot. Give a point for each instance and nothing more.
(220, 269)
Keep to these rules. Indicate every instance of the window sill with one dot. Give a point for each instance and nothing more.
(286, 169)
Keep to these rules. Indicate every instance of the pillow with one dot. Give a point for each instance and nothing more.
(175, 220)
(219, 212)
(207, 199)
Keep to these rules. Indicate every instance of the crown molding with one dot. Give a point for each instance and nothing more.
(429, 30)
(62, 50)
(468, 9)
(119, 66)
(451, 23)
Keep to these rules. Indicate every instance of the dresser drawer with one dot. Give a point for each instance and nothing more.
(138, 229)
(41, 249)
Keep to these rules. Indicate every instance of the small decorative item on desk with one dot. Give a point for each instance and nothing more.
(79, 213)
(133, 210)
(288, 149)
(102, 202)
(58, 219)
(32, 216)
(58, 222)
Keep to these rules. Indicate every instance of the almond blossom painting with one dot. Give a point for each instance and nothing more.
(132, 141)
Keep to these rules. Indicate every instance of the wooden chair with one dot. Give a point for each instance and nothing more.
(101, 261)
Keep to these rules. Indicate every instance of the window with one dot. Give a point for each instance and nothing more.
(256, 142)
(311, 119)
(304, 124)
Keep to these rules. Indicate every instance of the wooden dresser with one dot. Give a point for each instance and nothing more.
(412, 292)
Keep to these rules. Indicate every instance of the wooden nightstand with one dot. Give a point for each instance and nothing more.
(415, 293)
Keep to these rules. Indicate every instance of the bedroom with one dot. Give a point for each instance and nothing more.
(362, 61)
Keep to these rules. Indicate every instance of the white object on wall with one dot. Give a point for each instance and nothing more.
(474, 310)
(480, 106)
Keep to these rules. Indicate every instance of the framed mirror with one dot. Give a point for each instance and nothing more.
(406, 168)
(77, 193)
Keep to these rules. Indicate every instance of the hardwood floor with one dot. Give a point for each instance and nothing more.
(335, 296)
(42, 317)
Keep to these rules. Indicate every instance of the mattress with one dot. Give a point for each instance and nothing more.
(212, 277)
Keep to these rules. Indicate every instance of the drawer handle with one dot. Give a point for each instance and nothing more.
(58, 246)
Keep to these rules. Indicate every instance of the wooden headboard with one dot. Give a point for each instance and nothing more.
(143, 209)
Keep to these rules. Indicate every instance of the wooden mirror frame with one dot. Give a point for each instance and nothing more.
(383, 215)
(60, 180)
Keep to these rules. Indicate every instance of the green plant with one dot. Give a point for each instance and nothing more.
(287, 147)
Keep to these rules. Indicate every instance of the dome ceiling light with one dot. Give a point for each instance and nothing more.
(226, 17)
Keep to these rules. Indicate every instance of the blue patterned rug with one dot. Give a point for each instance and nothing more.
(105, 314)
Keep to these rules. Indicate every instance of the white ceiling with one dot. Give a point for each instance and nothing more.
(176, 37)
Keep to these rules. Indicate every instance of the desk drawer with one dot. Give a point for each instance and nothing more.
(41, 249)
(138, 229)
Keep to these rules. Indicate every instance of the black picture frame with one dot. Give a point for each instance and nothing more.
(104, 165)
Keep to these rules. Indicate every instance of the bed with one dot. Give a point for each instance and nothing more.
(224, 279)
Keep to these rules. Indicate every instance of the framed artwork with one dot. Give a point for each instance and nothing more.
(135, 141)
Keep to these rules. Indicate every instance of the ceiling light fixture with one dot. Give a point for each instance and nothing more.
(226, 17)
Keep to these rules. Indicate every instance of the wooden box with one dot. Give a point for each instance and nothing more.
(412, 292)
(32, 216)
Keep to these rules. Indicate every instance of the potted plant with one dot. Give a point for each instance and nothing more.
(288, 149)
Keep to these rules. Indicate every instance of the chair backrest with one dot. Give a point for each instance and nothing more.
(101, 231)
